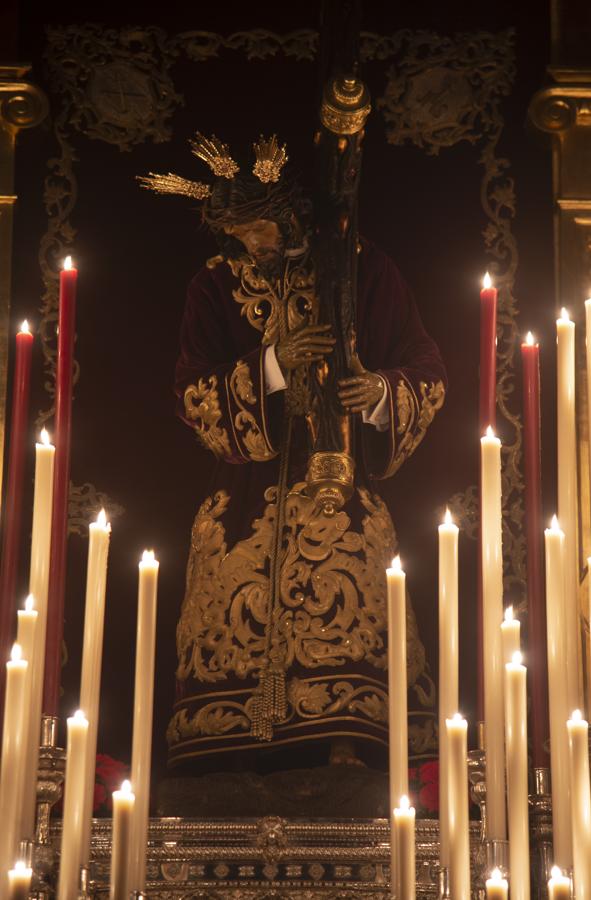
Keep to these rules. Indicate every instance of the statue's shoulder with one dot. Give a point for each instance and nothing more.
(373, 261)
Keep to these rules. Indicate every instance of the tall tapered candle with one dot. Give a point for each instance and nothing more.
(19, 881)
(26, 639)
(12, 768)
(538, 662)
(404, 829)
(567, 497)
(510, 635)
(459, 838)
(397, 682)
(38, 585)
(578, 733)
(13, 503)
(92, 653)
(142, 717)
(516, 759)
(487, 417)
(558, 694)
(558, 886)
(74, 791)
(448, 665)
(63, 426)
(492, 586)
(123, 803)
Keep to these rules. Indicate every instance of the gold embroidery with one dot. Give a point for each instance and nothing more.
(202, 407)
(414, 417)
(245, 423)
(262, 303)
(332, 599)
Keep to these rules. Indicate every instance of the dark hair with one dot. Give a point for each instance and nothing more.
(244, 198)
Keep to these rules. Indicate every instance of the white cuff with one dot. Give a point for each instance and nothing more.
(379, 417)
(274, 380)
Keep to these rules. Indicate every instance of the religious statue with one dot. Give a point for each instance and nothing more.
(282, 637)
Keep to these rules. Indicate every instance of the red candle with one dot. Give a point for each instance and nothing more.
(538, 664)
(487, 417)
(12, 513)
(61, 485)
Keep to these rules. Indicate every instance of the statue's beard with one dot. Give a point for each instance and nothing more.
(269, 262)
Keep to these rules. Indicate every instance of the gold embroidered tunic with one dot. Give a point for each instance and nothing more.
(325, 632)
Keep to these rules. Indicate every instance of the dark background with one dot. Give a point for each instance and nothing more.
(136, 253)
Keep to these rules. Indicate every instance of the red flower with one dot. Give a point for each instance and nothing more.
(100, 795)
(110, 772)
(429, 796)
(429, 772)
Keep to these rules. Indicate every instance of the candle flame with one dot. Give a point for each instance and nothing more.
(577, 715)
(556, 872)
(529, 339)
(517, 658)
(126, 787)
(496, 874)
(148, 556)
(489, 432)
(16, 654)
(21, 866)
(457, 717)
(45, 437)
(447, 518)
(396, 564)
(564, 314)
(404, 802)
(30, 603)
(68, 263)
(101, 519)
(509, 614)
(555, 526)
(25, 327)
(79, 716)
(487, 281)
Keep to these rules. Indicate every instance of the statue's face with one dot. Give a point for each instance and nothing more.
(262, 240)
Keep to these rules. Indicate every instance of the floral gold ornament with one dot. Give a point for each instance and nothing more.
(270, 159)
(216, 154)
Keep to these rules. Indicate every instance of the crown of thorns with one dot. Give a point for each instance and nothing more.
(269, 161)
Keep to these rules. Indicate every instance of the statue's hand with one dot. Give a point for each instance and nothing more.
(362, 391)
(304, 345)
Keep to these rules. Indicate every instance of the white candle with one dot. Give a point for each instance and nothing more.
(517, 794)
(25, 638)
(397, 682)
(404, 830)
(12, 769)
(578, 733)
(38, 584)
(19, 881)
(72, 830)
(492, 598)
(558, 694)
(497, 887)
(448, 665)
(567, 496)
(459, 836)
(142, 717)
(123, 803)
(558, 886)
(99, 533)
(510, 635)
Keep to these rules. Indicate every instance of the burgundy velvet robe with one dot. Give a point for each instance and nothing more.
(330, 630)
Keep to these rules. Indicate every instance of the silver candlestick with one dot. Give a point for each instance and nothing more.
(540, 804)
(52, 766)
